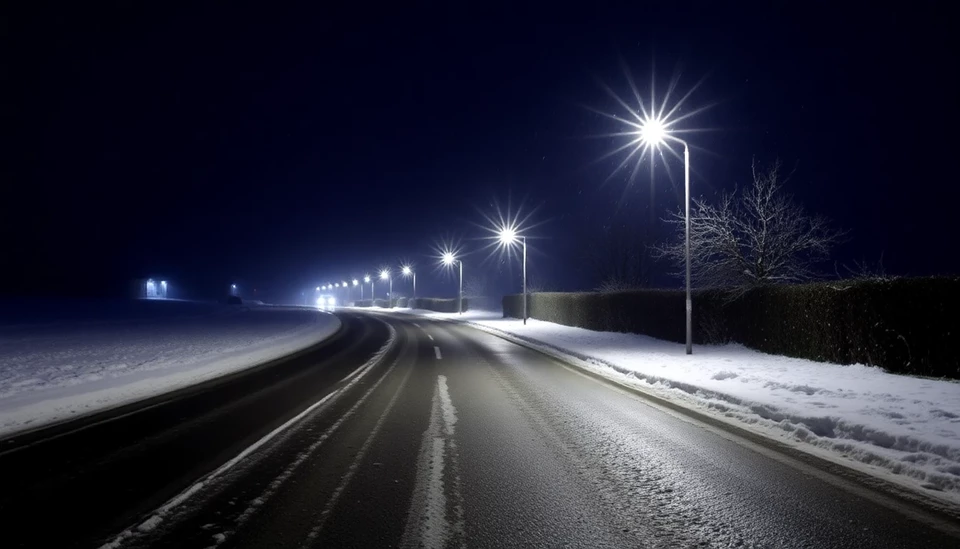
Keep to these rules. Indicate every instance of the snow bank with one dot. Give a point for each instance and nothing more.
(905, 428)
(78, 358)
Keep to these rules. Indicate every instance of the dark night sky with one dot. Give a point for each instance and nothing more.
(287, 149)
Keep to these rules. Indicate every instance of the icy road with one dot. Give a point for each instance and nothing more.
(412, 432)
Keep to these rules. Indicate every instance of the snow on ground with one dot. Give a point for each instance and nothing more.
(904, 428)
(62, 360)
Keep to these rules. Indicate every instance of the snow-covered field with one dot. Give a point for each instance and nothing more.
(906, 429)
(60, 360)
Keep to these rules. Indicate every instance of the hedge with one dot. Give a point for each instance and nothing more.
(437, 304)
(371, 303)
(905, 325)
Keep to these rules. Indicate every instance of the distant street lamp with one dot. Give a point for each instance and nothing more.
(385, 275)
(407, 270)
(653, 132)
(508, 236)
(449, 259)
(366, 278)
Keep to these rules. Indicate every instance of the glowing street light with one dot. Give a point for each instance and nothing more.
(407, 270)
(366, 278)
(652, 127)
(449, 259)
(653, 132)
(385, 275)
(508, 237)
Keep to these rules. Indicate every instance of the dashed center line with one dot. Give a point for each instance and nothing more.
(430, 336)
(437, 350)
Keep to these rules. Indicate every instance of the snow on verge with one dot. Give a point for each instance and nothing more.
(50, 373)
(901, 427)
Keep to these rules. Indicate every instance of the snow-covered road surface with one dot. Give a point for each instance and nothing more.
(905, 429)
(76, 359)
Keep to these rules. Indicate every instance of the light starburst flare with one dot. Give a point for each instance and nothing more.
(649, 126)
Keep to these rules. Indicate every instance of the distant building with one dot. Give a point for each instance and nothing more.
(153, 288)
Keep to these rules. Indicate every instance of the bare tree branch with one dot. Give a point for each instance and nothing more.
(751, 238)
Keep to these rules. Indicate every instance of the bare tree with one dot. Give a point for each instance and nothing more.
(760, 236)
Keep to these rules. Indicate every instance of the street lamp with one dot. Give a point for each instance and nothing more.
(407, 270)
(653, 132)
(366, 278)
(385, 275)
(449, 259)
(508, 236)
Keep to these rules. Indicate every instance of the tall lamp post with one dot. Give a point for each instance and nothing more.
(508, 236)
(385, 275)
(355, 284)
(407, 270)
(366, 278)
(653, 132)
(450, 259)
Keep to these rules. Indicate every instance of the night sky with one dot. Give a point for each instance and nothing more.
(286, 149)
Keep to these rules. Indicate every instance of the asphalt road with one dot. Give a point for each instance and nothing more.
(444, 437)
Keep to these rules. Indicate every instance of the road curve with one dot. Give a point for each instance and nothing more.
(75, 484)
(451, 437)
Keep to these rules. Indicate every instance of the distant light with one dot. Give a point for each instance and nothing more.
(337, 285)
(331, 301)
(366, 278)
(318, 288)
(384, 274)
(163, 282)
(321, 300)
(343, 284)
(234, 286)
(355, 282)
(448, 258)
(407, 271)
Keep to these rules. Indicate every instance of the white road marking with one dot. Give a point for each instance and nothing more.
(430, 336)
(433, 522)
(437, 350)
(415, 324)
(157, 516)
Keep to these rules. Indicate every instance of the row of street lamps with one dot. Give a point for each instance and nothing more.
(652, 130)
(507, 236)
(385, 274)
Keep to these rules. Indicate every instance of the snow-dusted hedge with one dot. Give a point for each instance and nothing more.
(907, 325)
(436, 304)
(371, 303)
